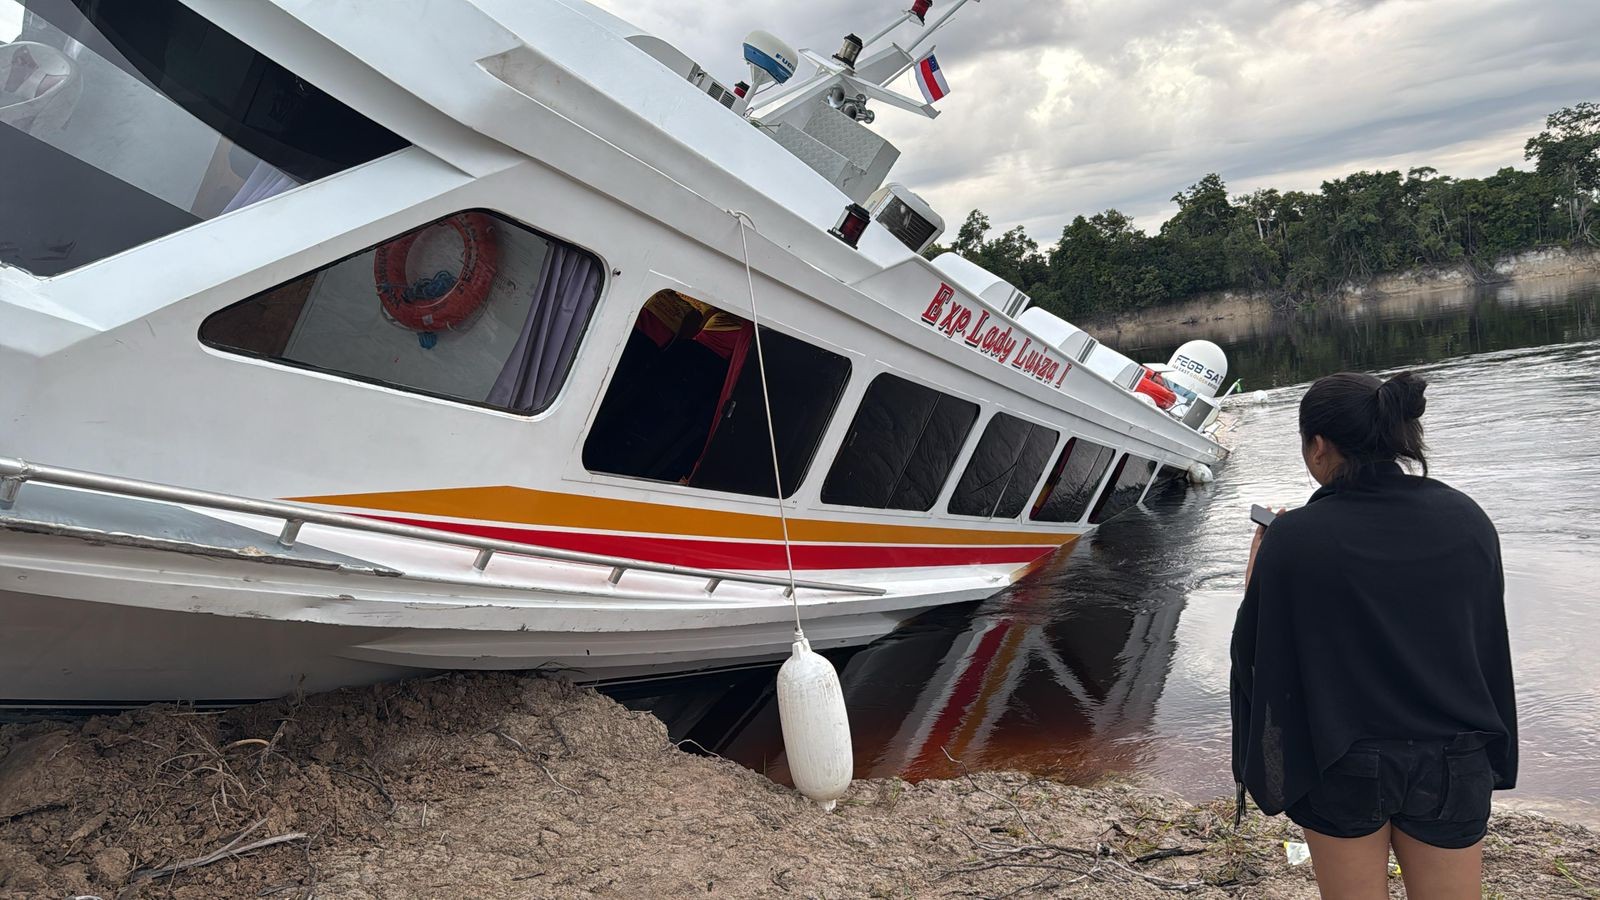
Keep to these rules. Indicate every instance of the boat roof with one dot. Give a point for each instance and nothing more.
(559, 81)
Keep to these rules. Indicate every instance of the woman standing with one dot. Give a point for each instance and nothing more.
(1371, 690)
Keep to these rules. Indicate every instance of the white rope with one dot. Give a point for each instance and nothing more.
(766, 401)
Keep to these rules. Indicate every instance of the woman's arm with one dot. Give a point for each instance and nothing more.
(1242, 653)
(1495, 655)
(1255, 547)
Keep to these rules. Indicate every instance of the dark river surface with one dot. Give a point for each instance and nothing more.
(1114, 658)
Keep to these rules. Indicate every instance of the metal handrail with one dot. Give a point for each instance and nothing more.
(14, 473)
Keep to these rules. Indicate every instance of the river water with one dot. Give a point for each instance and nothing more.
(1114, 658)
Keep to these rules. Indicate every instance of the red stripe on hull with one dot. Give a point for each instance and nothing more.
(740, 555)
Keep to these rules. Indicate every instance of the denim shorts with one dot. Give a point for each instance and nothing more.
(1434, 791)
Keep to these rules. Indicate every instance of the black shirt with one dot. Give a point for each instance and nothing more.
(1375, 611)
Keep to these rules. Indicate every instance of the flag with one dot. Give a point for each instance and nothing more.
(931, 79)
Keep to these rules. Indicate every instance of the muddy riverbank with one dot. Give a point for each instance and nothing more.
(512, 786)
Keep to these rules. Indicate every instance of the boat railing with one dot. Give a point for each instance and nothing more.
(14, 473)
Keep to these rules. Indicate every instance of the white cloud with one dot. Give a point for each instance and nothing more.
(1061, 109)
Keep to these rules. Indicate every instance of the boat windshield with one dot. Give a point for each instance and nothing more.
(123, 122)
(1184, 394)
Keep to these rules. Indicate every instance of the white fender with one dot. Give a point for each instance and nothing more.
(816, 728)
(1200, 473)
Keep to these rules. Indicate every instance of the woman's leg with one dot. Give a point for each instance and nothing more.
(1351, 868)
(1433, 873)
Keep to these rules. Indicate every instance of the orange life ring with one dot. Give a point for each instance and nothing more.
(479, 256)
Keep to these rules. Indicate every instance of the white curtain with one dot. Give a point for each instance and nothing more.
(264, 181)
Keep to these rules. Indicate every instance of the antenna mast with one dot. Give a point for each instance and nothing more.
(910, 52)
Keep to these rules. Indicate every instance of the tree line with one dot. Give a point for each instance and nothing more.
(1300, 245)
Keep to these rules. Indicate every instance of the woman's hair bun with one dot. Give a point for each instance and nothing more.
(1404, 392)
(1366, 419)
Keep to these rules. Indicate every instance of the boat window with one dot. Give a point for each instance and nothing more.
(901, 446)
(123, 122)
(1168, 478)
(1125, 488)
(685, 404)
(1004, 468)
(1069, 488)
(472, 307)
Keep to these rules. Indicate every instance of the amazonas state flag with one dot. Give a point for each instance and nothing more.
(931, 79)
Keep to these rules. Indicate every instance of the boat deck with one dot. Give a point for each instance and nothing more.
(107, 519)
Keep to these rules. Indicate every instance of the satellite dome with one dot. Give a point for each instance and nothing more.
(765, 51)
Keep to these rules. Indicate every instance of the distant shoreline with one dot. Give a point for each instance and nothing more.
(1131, 328)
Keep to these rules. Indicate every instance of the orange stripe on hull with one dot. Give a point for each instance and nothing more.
(524, 506)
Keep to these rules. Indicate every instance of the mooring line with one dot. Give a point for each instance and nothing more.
(772, 442)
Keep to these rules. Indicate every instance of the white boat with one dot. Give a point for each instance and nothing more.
(339, 345)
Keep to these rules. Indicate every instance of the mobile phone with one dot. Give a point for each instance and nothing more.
(1261, 515)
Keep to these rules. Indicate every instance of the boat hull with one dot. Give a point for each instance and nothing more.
(105, 625)
(59, 652)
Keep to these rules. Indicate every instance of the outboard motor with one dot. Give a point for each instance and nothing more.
(1196, 372)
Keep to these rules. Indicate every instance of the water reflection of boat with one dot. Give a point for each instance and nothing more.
(1024, 692)
(1033, 680)
(484, 329)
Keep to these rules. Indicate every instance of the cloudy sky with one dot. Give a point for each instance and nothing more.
(1062, 107)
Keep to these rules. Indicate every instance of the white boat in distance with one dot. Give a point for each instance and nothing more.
(344, 342)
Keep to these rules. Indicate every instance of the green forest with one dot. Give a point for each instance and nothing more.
(1299, 246)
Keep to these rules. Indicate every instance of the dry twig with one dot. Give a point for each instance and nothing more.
(975, 786)
(1043, 855)
(532, 756)
(678, 745)
(1166, 853)
(372, 781)
(231, 849)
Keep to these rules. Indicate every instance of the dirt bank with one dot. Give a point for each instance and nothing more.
(1157, 323)
(509, 786)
